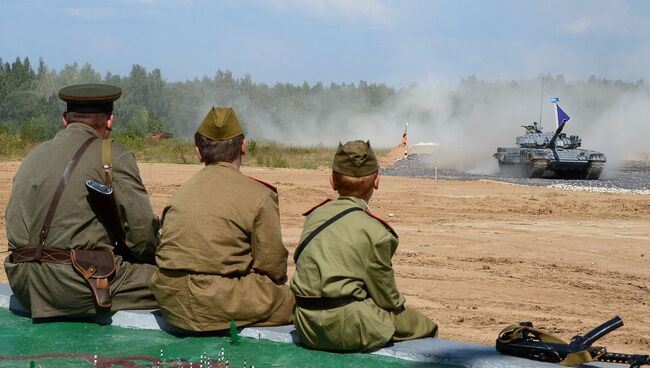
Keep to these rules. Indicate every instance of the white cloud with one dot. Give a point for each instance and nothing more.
(578, 26)
(365, 11)
(89, 13)
(605, 17)
(129, 10)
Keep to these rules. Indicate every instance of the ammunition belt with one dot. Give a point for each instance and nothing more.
(95, 266)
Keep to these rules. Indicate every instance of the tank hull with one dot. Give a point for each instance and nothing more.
(558, 163)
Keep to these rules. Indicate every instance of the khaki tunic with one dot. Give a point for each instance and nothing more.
(221, 256)
(51, 290)
(352, 257)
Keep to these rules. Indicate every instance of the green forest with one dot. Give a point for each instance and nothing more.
(149, 104)
(306, 115)
(30, 111)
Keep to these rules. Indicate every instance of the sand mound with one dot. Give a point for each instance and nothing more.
(395, 153)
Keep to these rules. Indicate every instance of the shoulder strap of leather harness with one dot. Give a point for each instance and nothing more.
(72, 164)
(322, 227)
(107, 161)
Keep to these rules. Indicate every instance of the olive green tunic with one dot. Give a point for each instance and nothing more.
(352, 257)
(51, 290)
(221, 256)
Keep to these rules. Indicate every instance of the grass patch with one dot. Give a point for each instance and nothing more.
(148, 149)
(15, 146)
(271, 154)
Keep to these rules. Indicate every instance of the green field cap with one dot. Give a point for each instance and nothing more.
(220, 124)
(355, 158)
(90, 98)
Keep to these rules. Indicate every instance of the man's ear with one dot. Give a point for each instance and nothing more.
(244, 147)
(64, 119)
(377, 181)
(198, 153)
(109, 123)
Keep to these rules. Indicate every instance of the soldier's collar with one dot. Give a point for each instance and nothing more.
(225, 164)
(358, 201)
(367, 205)
(77, 125)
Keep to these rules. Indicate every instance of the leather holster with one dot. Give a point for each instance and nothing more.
(95, 266)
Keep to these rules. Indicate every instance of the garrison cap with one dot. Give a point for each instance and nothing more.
(89, 98)
(355, 158)
(220, 124)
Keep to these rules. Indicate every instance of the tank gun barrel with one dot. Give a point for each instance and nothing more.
(551, 143)
(561, 118)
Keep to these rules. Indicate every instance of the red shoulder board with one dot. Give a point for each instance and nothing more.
(388, 227)
(309, 211)
(268, 185)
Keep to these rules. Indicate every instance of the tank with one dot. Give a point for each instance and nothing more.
(549, 155)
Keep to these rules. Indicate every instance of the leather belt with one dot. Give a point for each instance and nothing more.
(318, 302)
(47, 255)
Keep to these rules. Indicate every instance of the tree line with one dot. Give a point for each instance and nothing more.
(151, 104)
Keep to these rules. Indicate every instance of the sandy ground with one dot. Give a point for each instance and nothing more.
(477, 255)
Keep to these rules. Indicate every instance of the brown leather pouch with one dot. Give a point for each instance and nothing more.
(95, 266)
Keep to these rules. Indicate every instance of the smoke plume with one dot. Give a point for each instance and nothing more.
(469, 120)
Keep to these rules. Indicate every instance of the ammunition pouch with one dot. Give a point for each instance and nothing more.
(96, 267)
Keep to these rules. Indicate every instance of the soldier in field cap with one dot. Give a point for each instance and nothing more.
(221, 256)
(49, 218)
(346, 297)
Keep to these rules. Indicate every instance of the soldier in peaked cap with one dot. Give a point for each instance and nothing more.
(346, 297)
(47, 224)
(221, 256)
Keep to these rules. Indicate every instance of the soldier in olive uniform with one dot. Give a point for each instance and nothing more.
(42, 234)
(346, 297)
(221, 256)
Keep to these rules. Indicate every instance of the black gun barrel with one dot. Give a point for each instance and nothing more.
(592, 336)
(551, 143)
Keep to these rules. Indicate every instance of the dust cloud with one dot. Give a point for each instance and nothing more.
(470, 119)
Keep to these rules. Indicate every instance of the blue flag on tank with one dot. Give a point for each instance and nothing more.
(561, 116)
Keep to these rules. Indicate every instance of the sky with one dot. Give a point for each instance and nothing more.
(379, 41)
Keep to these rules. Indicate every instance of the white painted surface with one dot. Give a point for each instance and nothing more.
(423, 350)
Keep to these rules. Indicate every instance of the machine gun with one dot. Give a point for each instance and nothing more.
(532, 128)
(102, 202)
(525, 341)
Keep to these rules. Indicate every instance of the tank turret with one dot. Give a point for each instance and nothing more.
(550, 154)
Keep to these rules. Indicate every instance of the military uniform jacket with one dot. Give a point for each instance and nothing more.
(351, 257)
(221, 256)
(56, 289)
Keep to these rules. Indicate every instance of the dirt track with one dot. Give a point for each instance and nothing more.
(478, 255)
